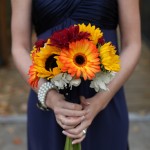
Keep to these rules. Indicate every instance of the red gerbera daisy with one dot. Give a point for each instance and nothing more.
(62, 38)
(40, 43)
(101, 41)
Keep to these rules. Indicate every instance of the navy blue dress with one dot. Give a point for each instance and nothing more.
(109, 130)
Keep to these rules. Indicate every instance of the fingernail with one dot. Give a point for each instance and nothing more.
(73, 142)
(64, 132)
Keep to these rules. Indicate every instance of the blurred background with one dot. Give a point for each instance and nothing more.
(13, 90)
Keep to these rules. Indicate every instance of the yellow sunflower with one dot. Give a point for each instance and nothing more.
(82, 59)
(46, 62)
(96, 33)
(33, 53)
(37, 47)
(109, 58)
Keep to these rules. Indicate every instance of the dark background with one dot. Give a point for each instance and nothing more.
(145, 20)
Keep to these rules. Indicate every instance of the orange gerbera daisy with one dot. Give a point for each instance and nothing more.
(82, 59)
(33, 79)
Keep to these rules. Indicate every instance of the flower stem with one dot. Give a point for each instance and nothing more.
(70, 146)
(77, 146)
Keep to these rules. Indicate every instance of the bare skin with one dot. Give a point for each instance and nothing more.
(81, 116)
(21, 46)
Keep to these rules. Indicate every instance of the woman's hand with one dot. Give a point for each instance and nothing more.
(92, 106)
(68, 115)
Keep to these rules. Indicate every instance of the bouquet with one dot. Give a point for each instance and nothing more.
(68, 55)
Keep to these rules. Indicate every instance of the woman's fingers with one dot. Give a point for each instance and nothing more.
(78, 129)
(70, 121)
(78, 133)
(59, 100)
(55, 99)
(73, 136)
(77, 138)
(61, 106)
(65, 127)
(71, 106)
(69, 113)
(75, 141)
(84, 101)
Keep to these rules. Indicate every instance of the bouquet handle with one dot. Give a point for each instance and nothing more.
(70, 146)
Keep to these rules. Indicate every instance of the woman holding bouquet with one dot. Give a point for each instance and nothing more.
(97, 120)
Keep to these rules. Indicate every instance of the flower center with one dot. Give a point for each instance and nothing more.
(50, 62)
(80, 59)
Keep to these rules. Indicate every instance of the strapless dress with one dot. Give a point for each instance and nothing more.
(109, 129)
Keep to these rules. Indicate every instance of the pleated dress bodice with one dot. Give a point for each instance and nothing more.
(47, 14)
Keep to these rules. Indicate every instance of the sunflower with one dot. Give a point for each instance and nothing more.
(109, 58)
(36, 48)
(46, 63)
(95, 33)
(82, 59)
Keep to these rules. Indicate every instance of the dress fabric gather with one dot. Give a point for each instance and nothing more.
(109, 129)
